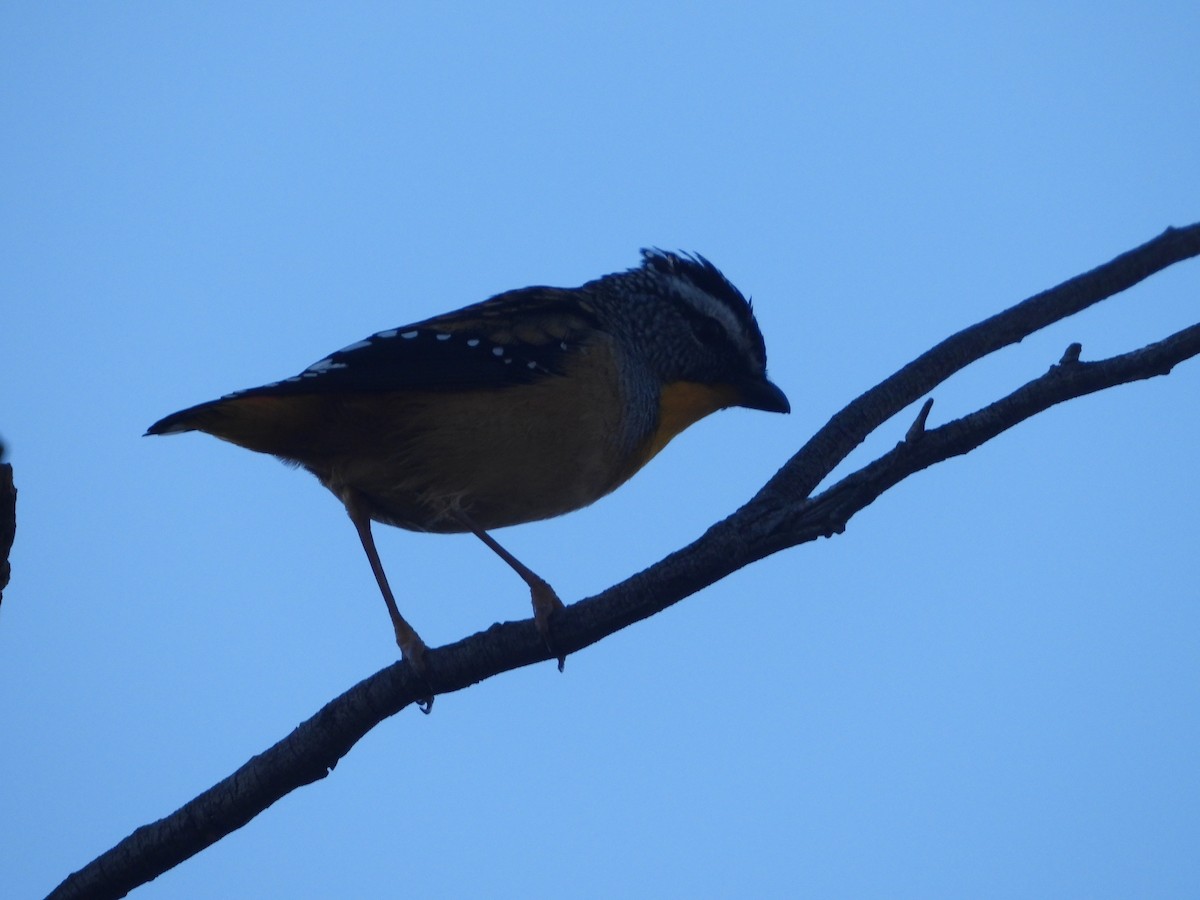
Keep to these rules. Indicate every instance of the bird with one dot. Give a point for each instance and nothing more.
(525, 406)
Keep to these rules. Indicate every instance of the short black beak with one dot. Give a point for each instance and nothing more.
(765, 396)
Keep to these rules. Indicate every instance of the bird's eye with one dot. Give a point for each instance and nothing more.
(709, 332)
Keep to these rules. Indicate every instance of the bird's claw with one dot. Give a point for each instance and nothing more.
(546, 605)
(413, 651)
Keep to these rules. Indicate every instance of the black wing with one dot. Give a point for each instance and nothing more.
(513, 338)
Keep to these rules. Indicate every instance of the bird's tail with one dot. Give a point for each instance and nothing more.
(202, 417)
(286, 426)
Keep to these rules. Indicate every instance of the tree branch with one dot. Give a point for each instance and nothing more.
(850, 427)
(781, 515)
(829, 512)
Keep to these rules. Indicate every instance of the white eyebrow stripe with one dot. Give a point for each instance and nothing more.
(708, 305)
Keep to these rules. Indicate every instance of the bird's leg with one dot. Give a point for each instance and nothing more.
(412, 648)
(545, 601)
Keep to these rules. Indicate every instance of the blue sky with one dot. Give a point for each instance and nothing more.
(988, 686)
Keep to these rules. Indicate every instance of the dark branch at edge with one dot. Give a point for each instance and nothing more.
(8, 522)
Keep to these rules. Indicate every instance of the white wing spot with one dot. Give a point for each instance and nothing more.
(563, 345)
(357, 346)
(508, 360)
(388, 334)
(324, 365)
(473, 342)
(409, 335)
(443, 337)
(497, 351)
(531, 365)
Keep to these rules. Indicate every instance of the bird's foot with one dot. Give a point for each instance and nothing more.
(546, 606)
(413, 650)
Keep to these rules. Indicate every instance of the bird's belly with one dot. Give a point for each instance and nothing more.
(495, 459)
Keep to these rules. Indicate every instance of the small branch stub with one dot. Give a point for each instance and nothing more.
(918, 426)
(1071, 355)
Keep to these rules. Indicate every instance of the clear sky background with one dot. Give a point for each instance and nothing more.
(988, 686)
